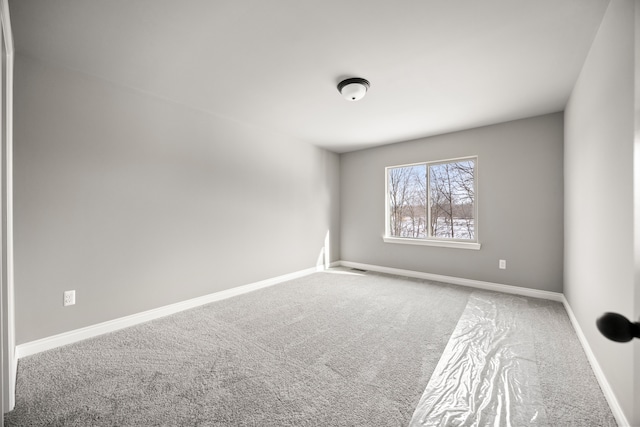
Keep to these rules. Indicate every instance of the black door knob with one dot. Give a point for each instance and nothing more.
(618, 328)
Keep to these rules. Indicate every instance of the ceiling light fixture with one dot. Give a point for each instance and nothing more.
(354, 88)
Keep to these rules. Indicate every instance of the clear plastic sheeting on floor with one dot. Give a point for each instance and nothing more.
(487, 375)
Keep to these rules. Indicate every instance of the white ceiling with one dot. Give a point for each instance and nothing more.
(435, 66)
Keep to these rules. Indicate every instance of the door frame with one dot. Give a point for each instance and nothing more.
(7, 324)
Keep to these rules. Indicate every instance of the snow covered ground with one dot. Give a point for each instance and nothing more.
(462, 228)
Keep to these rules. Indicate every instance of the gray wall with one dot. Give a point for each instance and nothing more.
(599, 197)
(137, 203)
(519, 204)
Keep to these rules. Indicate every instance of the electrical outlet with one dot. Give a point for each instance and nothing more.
(69, 298)
(502, 264)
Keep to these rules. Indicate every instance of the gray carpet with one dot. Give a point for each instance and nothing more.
(327, 349)
(324, 350)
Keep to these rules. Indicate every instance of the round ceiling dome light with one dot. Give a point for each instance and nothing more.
(354, 88)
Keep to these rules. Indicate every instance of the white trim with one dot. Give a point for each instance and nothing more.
(489, 286)
(335, 264)
(616, 409)
(432, 242)
(33, 347)
(8, 176)
(321, 267)
(434, 162)
(11, 339)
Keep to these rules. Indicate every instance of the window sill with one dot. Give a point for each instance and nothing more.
(428, 242)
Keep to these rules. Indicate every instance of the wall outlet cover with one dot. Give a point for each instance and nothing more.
(69, 298)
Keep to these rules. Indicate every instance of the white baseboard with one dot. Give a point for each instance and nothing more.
(33, 347)
(321, 267)
(616, 409)
(489, 286)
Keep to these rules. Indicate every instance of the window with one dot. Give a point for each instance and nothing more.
(433, 203)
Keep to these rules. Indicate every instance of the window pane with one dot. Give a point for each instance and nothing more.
(452, 198)
(408, 201)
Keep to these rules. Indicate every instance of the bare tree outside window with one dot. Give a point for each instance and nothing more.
(452, 195)
(449, 188)
(408, 201)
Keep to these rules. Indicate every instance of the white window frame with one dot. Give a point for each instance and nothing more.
(433, 241)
